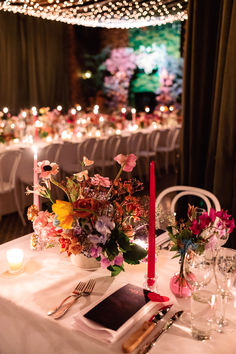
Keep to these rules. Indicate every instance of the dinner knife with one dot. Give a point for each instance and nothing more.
(138, 336)
(145, 349)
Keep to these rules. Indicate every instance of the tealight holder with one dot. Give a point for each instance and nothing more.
(150, 283)
(15, 259)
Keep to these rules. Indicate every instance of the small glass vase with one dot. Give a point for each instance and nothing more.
(179, 286)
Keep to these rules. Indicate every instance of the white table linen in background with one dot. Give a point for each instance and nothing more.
(49, 276)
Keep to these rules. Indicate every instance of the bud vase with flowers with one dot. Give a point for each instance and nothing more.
(97, 218)
(198, 233)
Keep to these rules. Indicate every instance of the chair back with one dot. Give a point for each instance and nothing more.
(134, 142)
(9, 162)
(207, 197)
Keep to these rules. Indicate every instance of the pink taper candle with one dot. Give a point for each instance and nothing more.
(35, 179)
(151, 236)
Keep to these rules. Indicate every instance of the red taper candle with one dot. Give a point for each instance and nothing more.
(151, 235)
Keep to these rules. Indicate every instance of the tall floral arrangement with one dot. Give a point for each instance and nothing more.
(97, 219)
(120, 65)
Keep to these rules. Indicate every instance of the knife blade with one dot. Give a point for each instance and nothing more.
(138, 336)
(145, 349)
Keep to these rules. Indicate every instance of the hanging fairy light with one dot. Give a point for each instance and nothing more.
(100, 13)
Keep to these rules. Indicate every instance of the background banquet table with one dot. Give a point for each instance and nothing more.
(49, 276)
(68, 159)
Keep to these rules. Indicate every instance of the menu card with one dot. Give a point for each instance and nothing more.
(119, 307)
(114, 315)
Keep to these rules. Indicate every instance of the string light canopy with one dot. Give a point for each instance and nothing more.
(102, 13)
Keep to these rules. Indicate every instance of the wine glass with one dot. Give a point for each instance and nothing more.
(198, 268)
(199, 271)
(225, 277)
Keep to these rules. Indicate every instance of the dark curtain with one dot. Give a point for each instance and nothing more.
(209, 104)
(33, 69)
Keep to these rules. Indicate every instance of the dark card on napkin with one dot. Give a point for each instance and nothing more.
(117, 308)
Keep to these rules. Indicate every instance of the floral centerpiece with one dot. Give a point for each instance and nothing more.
(199, 233)
(97, 219)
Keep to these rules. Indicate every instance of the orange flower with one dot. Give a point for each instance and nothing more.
(88, 205)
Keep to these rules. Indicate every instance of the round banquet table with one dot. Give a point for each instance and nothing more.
(49, 276)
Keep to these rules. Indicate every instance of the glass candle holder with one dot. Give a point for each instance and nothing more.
(15, 258)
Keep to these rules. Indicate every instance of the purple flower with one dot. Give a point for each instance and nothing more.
(118, 260)
(98, 239)
(94, 238)
(104, 225)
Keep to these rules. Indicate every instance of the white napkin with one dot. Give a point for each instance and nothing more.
(103, 334)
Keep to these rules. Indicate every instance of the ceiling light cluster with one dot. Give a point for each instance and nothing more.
(102, 13)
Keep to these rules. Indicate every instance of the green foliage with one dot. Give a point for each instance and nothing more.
(144, 82)
(168, 34)
(73, 189)
(135, 254)
(115, 270)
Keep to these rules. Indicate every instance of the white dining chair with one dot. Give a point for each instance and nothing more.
(72, 162)
(166, 203)
(109, 149)
(171, 145)
(149, 152)
(9, 162)
(207, 197)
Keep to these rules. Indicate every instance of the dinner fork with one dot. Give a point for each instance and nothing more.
(86, 291)
(77, 290)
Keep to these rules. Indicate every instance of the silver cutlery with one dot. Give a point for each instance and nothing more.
(147, 347)
(142, 332)
(86, 292)
(78, 289)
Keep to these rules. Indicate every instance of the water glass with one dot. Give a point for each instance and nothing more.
(202, 313)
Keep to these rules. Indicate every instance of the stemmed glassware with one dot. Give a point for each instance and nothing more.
(225, 277)
(198, 272)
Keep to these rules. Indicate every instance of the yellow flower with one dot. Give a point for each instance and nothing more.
(64, 212)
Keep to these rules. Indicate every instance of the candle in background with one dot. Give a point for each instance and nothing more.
(35, 178)
(59, 108)
(34, 111)
(133, 111)
(123, 111)
(15, 257)
(151, 235)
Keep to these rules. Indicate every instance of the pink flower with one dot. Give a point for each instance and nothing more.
(103, 181)
(47, 169)
(105, 262)
(118, 260)
(129, 161)
(212, 242)
(205, 220)
(87, 162)
(212, 214)
(81, 176)
(195, 228)
(231, 225)
(95, 252)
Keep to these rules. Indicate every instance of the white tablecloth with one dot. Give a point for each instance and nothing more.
(49, 276)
